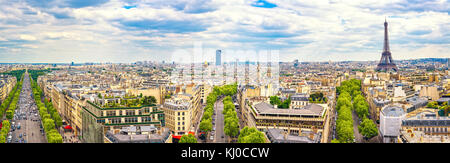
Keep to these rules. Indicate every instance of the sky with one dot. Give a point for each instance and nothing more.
(64, 31)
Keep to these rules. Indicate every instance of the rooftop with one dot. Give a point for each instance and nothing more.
(142, 134)
(278, 136)
(312, 109)
(393, 111)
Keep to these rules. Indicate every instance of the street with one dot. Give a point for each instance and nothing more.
(358, 136)
(26, 123)
(219, 136)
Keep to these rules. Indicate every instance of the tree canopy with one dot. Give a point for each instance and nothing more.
(189, 138)
(251, 135)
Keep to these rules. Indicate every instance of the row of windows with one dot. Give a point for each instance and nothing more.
(129, 120)
(127, 112)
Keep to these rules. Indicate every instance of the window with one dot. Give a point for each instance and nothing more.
(146, 119)
(130, 119)
(183, 113)
(130, 112)
(114, 120)
(110, 113)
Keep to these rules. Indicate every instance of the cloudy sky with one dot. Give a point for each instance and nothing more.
(57, 31)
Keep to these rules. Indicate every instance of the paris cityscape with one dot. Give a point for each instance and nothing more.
(213, 71)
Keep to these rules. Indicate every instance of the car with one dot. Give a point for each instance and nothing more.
(211, 137)
(222, 136)
(214, 129)
(20, 135)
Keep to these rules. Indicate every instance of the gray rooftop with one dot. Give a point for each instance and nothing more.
(277, 136)
(393, 111)
(312, 109)
(151, 137)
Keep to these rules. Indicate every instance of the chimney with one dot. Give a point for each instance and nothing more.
(299, 131)
(285, 135)
(442, 138)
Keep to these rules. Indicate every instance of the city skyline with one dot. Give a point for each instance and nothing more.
(130, 31)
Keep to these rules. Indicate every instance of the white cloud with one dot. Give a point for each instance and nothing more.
(306, 30)
(27, 37)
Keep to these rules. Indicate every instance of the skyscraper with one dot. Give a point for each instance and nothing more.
(218, 57)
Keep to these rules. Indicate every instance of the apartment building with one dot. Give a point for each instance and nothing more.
(100, 115)
(7, 83)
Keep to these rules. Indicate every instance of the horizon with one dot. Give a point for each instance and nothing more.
(212, 63)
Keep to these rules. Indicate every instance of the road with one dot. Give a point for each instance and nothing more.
(27, 116)
(358, 136)
(219, 136)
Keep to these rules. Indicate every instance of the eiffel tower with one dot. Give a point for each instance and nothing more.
(386, 62)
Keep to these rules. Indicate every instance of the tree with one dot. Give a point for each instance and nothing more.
(54, 137)
(343, 101)
(231, 127)
(49, 124)
(9, 114)
(367, 128)
(189, 138)
(57, 118)
(345, 131)
(335, 141)
(251, 135)
(206, 125)
(362, 109)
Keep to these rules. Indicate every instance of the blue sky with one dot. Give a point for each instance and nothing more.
(136, 30)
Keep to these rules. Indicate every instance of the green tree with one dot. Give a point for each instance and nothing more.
(335, 141)
(251, 135)
(367, 128)
(206, 125)
(231, 127)
(188, 139)
(344, 131)
(49, 124)
(9, 114)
